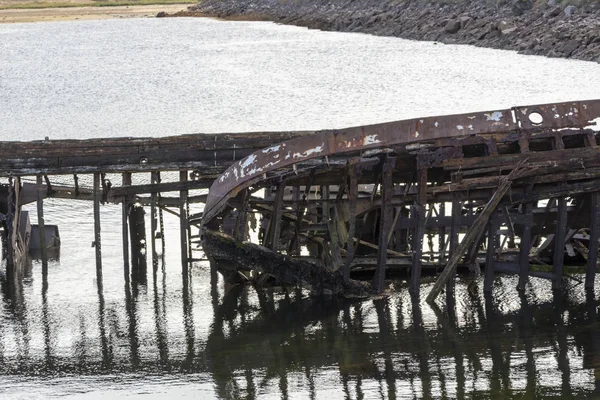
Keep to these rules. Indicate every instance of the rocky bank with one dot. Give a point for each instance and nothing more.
(551, 28)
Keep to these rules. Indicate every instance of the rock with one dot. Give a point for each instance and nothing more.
(570, 47)
(554, 12)
(465, 22)
(452, 26)
(551, 3)
(570, 10)
(520, 6)
(506, 27)
(161, 14)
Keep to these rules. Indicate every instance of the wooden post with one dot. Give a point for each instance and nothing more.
(352, 199)
(472, 234)
(492, 245)
(153, 224)
(592, 260)
(126, 177)
(41, 227)
(10, 236)
(98, 246)
(385, 221)
(241, 222)
(183, 224)
(137, 229)
(454, 230)
(418, 215)
(525, 247)
(275, 222)
(559, 243)
(441, 234)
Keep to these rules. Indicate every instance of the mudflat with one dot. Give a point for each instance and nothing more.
(12, 11)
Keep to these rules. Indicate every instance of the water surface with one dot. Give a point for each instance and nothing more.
(185, 337)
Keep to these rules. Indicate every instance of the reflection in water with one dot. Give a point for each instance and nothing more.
(281, 342)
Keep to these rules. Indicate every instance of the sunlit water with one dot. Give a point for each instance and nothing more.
(181, 338)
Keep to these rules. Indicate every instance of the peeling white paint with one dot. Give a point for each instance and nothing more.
(436, 124)
(248, 161)
(472, 117)
(288, 155)
(308, 152)
(271, 149)
(370, 139)
(495, 116)
(460, 127)
(470, 127)
(416, 133)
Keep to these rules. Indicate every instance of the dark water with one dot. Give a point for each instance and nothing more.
(189, 336)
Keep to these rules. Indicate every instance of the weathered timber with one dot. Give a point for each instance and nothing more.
(41, 227)
(559, 243)
(592, 260)
(385, 222)
(97, 239)
(137, 229)
(170, 153)
(230, 253)
(472, 235)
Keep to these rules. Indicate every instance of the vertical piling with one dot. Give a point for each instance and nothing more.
(385, 221)
(183, 194)
(592, 260)
(153, 224)
(525, 247)
(137, 229)
(125, 227)
(275, 223)
(492, 246)
(559, 243)
(352, 199)
(41, 227)
(418, 215)
(98, 247)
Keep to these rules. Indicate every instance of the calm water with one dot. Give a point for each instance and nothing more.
(191, 337)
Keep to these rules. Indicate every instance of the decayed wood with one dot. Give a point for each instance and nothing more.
(385, 222)
(41, 226)
(97, 241)
(232, 254)
(183, 224)
(471, 236)
(126, 180)
(559, 243)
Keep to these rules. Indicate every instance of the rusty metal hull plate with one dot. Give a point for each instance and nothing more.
(250, 170)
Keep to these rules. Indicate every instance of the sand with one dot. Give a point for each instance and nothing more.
(82, 12)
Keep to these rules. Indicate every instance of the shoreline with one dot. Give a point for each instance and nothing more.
(552, 28)
(72, 13)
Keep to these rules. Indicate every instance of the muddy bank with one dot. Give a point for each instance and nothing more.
(544, 27)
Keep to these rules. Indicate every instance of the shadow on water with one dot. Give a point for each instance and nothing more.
(282, 342)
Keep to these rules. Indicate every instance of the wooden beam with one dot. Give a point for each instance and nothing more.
(126, 179)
